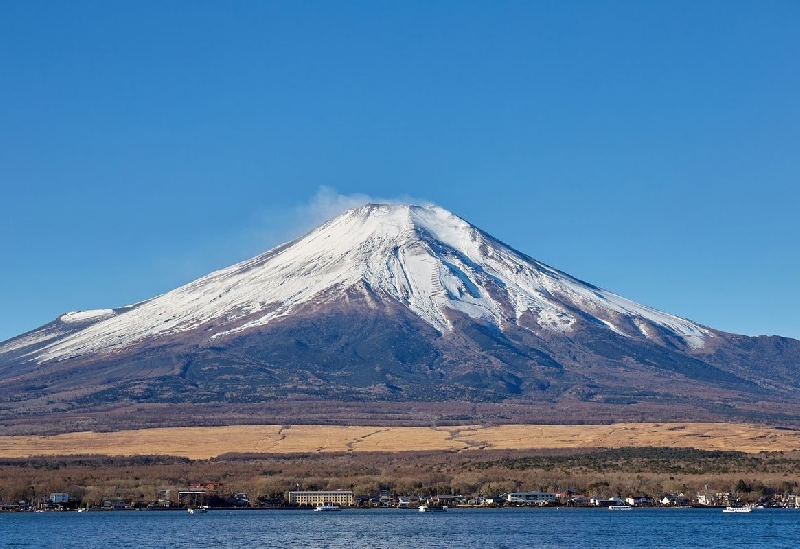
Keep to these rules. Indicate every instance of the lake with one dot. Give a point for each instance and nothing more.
(393, 528)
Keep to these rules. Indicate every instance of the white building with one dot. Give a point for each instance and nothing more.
(408, 501)
(602, 502)
(704, 499)
(639, 501)
(529, 498)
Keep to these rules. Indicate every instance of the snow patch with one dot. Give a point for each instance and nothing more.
(84, 316)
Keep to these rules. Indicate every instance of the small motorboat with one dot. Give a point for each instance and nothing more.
(327, 508)
(432, 508)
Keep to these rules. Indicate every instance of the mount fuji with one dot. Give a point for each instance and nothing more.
(388, 312)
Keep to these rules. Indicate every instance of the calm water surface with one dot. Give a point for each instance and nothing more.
(390, 528)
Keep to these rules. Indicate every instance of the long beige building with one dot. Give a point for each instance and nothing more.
(338, 497)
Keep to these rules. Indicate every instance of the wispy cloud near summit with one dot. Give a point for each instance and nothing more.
(274, 227)
(327, 203)
(268, 226)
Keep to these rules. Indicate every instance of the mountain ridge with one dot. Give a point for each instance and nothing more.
(398, 304)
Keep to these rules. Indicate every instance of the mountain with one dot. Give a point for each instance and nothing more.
(387, 312)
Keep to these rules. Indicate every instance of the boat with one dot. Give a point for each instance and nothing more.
(432, 508)
(193, 510)
(619, 507)
(327, 508)
(745, 509)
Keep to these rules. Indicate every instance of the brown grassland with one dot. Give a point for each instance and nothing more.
(210, 442)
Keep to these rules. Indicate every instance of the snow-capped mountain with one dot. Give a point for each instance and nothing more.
(425, 258)
(482, 321)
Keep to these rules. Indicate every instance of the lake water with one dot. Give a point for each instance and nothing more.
(391, 528)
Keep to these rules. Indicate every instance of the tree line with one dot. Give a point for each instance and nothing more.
(91, 480)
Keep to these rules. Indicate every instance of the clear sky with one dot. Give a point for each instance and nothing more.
(650, 148)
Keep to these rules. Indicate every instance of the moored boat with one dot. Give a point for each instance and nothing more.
(432, 508)
(327, 508)
(745, 509)
(619, 507)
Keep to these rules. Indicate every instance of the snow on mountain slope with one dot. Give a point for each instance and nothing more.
(424, 257)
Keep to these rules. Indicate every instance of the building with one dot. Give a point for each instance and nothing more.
(670, 500)
(408, 501)
(314, 498)
(724, 498)
(529, 498)
(704, 499)
(116, 503)
(639, 501)
(445, 500)
(193, 498)
(59, 497)
(164, 498)
(602, 502)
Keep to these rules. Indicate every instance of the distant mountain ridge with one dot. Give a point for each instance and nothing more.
(390, 303)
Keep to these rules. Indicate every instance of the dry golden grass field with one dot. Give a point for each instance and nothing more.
(208, 442)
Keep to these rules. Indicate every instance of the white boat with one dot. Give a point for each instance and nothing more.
(327, 508)
(432, 508)
(619, 507)
(193, 510)
(745, 509)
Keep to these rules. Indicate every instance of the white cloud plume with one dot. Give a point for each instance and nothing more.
(272, 227)
(327, 203)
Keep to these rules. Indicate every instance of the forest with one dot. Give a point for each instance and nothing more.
(140, 481)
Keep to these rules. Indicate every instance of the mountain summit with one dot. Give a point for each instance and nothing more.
(397, 304)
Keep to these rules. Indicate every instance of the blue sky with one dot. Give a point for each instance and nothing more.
(651, 148)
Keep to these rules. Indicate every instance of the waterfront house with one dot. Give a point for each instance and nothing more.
(606, 502)
(408, 501)
(529, 498)
(670, 500)
(9, 506)
(445, 500)
(639, 501)
(704, 499)
(59, 497)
